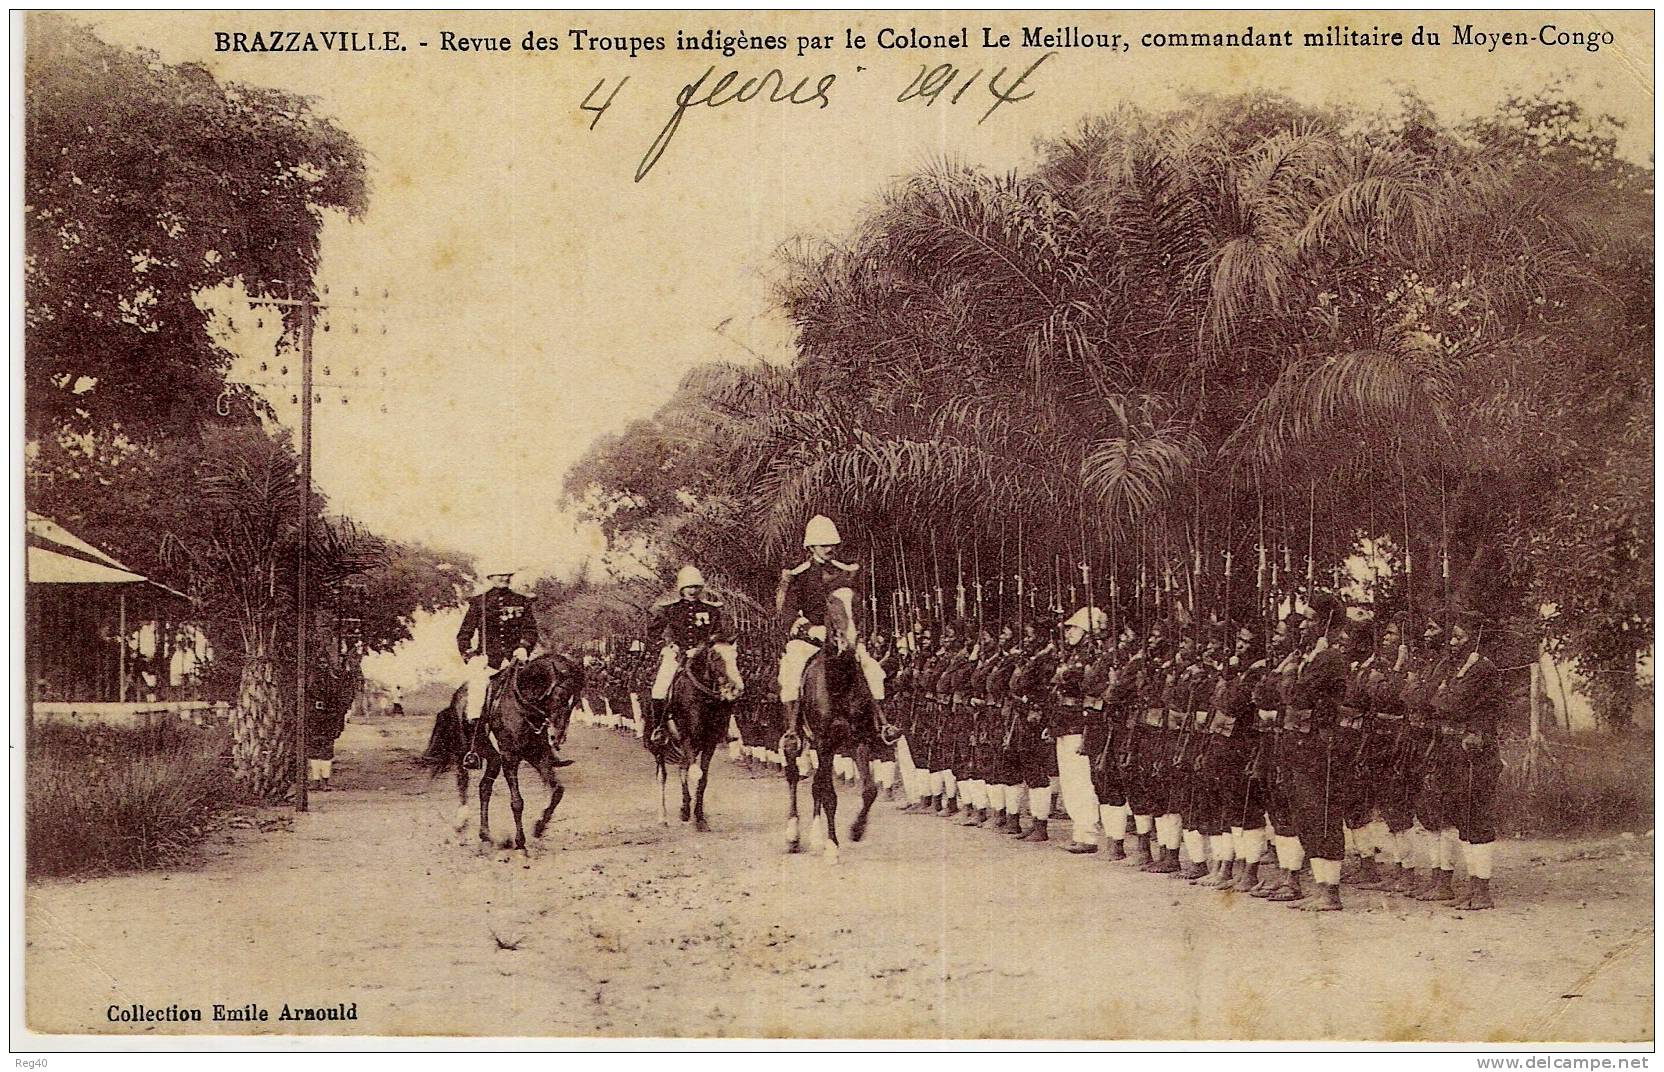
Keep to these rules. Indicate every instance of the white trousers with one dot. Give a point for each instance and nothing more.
(797, 656)
(668, 662)
(1080, 800)
(476, 674)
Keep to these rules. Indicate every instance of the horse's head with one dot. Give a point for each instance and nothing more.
(840, 621)
(718, 669)
(550, 685)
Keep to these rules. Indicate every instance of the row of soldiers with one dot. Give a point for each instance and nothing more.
(1227, 757)
(1192, 752)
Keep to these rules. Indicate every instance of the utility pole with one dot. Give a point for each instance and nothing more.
(307, 308)
(302, 571)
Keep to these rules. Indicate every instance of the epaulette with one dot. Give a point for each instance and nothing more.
(846, 567)
(709, 600)
(668, 601)
(801, 566)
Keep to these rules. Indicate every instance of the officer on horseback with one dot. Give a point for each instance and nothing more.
(499, 627)
(801, 601)
(689, 618)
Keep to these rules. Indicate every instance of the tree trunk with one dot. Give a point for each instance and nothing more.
(262, 748)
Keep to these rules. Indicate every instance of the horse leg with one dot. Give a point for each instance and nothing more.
(546, 767)
(793, 841)
(460, 823)
(704, 780)
(664, 811)
(826, 797)
(516, 802)
(687, 798)
(869, 790)
(488, 776)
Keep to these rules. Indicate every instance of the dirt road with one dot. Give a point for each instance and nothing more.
(620, 927)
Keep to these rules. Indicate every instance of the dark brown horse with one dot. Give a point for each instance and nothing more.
(527, 711)
(837, 715)
(696, 721)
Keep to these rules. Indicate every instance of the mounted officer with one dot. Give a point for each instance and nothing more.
(687, 619)
(499, 627)
(801, 601)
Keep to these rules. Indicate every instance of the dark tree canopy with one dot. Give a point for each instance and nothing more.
(1183, 333)
(145, 184)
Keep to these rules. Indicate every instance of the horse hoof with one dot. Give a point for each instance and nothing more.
(857, 829)
(831, 852)
(793, 839)
(793, 847)
(702, 826)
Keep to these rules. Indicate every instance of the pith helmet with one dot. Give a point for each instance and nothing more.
(689, 576)
(499, 569)
(1088, 620)
(820, 532)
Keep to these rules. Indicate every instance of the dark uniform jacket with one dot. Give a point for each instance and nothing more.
(1321, 685)
(505, 619)
(805, 587)
(688, 623)
(1471, 696)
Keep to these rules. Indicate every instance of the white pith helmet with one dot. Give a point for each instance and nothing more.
(820, 532)
(1088, 620)
(499, 569)
(689, 576)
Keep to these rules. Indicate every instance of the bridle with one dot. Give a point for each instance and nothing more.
(693, 678)
(557, 676)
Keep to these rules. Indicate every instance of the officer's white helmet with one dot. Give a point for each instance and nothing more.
(688, 577)
(498, 569)
(1088, 620)
(820, 532)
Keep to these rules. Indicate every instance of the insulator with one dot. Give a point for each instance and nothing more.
(260, 322)
(317, 397)
(355, 292)
(326, 326)
(326, 290)
(294, 400)
(285, 370)
(326, 370)
(265, 367)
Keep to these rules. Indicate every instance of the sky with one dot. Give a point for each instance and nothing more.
(538, 297)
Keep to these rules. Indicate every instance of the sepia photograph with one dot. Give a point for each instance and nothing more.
(941, 528)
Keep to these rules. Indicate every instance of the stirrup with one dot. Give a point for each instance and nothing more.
(472, 761)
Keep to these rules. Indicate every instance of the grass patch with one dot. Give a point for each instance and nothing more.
(1591, 783)
(101, 800)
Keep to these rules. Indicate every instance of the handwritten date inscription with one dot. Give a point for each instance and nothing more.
(943, 82)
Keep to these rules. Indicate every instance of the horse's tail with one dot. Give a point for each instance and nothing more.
(444, 742)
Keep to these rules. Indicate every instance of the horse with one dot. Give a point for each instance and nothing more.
(835, 714)
(697, 715)
(527, 711)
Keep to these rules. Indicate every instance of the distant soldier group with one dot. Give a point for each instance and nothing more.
(1357, 746)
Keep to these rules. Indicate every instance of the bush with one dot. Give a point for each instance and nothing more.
(106, 799)
(1591, 783)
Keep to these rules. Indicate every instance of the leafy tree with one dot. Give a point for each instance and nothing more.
(1241, 323)
(146, 184)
